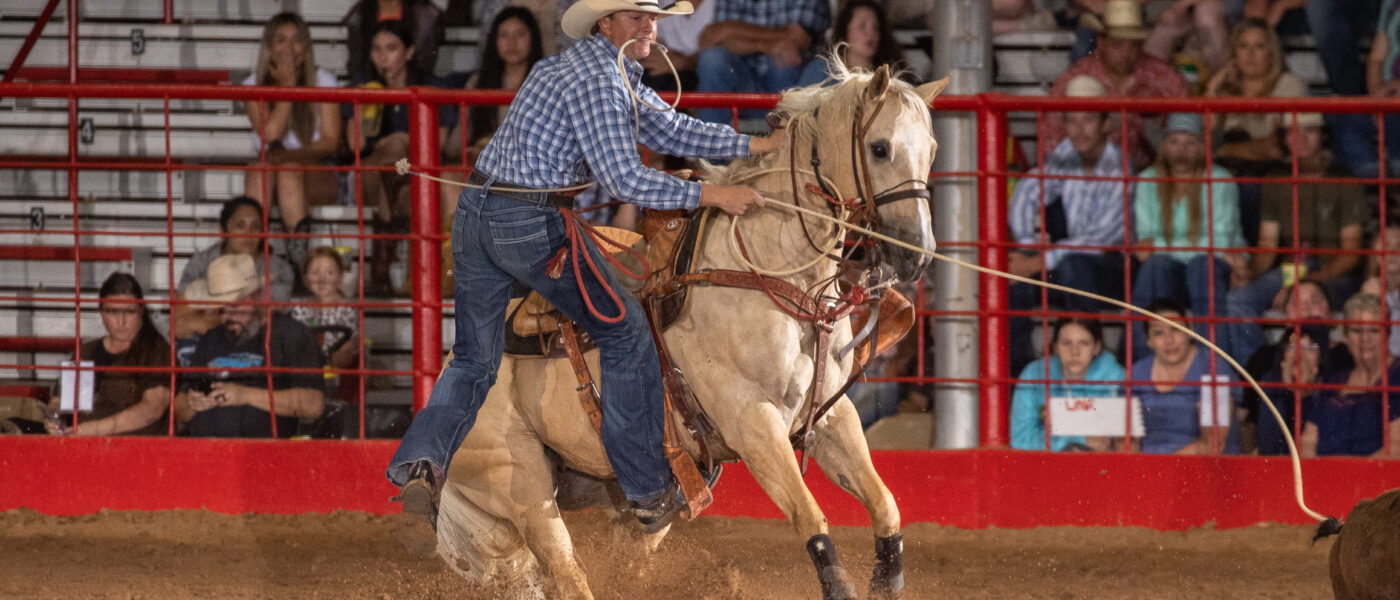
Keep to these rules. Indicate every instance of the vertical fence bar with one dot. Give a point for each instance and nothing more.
(995, 350)
(426, 261)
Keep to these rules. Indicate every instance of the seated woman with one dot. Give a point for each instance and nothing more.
(868, 42)
(1175, 214)
(1248, 143)
(294, 133)
(1348, 421)
(1077, 361)
(241, 222)
(423, 26)
(125, 402)
(1170, 386)
(511, 48)
(382, 141)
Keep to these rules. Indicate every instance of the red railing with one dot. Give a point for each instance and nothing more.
(992, 245)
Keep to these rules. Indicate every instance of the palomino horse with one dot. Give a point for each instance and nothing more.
(750, 364)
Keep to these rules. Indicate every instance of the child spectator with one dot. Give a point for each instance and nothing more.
(1190, 215)
(241, 222)
(1170, 386)
(382, 141)
(324, 273)
(423, 30)
(758, 46)
(862, 38)
(1125, 71)
(1348, 421)
(1077, 361)
(125, 403)
(292, 133)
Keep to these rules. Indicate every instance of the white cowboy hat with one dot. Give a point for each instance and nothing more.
(230, 277)
(578, 21)
(1122, 19)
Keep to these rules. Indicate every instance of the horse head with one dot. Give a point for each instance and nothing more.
(871, 137)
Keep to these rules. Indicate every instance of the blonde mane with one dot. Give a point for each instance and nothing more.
(841, 94)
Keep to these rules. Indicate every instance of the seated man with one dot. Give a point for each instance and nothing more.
(237, 402)
(1069, 213)
(1330, 217)
(758, 46)
(1125, 71)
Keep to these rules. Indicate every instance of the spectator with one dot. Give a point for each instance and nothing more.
(1302, 357)
(1330, 217)
(1285, 16)
(757, 46)
(1125, 71)
(1348, 421)
(1338, 27)
(241, 222)
(1185, 214)
(1383, 77)
(1011, 16)
(1384, 279)
(1170, 385)
(1201, 20)
(511, 48)
(681, 36)
(236, 401)
(1078, 359)
(383, 141)
(862, 38)
(1249, 142)
(423, 30)
(324, 273)
(547, 14)
(125, 403)
(1078, 215)
(286, 59)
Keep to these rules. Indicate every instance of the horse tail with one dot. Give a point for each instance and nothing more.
(1328, 528)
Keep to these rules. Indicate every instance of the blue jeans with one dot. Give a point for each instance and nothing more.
(1187, 283)
(1100, 274)
(495, 241)
(719, 70)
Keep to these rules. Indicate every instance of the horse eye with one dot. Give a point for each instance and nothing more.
(880, 150)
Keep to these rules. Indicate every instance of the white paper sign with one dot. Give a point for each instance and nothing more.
(83, 386)
(1217, 396)
(1092, 416)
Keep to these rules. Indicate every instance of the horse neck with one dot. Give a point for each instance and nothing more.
(773, 237)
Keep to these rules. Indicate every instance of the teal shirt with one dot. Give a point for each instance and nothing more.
(1027, 424)
(1225, 199)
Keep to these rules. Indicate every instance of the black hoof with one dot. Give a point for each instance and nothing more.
(836, 583)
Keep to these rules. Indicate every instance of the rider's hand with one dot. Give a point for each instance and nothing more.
(733, 199)
(764, 145)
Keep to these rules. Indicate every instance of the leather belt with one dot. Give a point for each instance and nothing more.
(554, 199)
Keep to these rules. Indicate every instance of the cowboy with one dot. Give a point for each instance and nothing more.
(572, 120)
(1125, 71)
(237, 402)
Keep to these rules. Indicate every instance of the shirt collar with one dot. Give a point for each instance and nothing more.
(604, 47)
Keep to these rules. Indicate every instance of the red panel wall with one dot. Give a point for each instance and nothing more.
(969, 489)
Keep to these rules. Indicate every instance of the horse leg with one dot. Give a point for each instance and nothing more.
(535, 511)
(762, 443)
(841, 452)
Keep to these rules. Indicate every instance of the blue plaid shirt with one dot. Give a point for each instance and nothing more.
(812, 15)
(572, 121)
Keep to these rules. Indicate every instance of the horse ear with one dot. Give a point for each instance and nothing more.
(879, 84)
(931, 89)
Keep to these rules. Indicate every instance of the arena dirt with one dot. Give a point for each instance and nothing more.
(197, 554)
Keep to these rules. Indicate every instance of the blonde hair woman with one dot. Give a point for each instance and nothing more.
(1255, 70)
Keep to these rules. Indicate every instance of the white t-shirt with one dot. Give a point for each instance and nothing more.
(682, 32)
(324, 78)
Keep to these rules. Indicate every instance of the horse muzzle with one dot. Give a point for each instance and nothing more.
(908, 265)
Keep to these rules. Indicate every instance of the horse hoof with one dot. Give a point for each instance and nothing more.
(836, 584)
(887, 583)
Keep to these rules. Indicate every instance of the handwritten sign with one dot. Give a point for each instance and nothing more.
(76, 385)
(1092, 416)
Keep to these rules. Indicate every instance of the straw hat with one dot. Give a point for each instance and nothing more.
(1085, 86)
(1121, 19)
(578, 21)
(231, 277)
